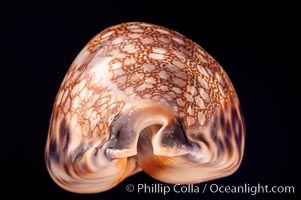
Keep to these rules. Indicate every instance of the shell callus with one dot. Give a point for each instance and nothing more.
(143, 97)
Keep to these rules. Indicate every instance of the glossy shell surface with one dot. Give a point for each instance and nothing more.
(143, 97)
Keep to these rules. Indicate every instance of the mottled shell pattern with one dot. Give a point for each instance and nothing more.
(143, 97)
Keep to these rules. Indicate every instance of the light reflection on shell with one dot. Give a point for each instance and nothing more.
(143, 97)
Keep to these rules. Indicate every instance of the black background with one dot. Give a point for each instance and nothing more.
(255, 43)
